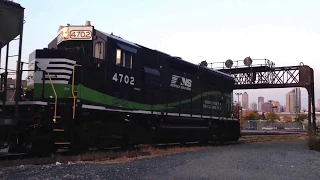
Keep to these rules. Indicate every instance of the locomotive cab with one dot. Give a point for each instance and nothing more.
(84, 39)
(77, 38)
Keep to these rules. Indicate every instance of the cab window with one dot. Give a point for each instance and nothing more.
(99, 50)
(123, 58)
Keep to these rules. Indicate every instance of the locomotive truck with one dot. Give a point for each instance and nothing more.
(91, 89)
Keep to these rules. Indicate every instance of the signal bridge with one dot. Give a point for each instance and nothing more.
(262, 74)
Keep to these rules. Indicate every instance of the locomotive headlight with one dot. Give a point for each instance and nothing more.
(65, 33)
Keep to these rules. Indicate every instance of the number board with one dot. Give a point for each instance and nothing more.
(75, 33)
(80, 34)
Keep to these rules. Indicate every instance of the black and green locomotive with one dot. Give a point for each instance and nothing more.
(90, 89)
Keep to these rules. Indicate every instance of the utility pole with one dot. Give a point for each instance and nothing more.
(238, 105)
(238, 94)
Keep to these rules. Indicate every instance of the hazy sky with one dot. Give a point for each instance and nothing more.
(284, 31)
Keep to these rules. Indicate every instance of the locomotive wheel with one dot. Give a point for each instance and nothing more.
(76, 144)
(204, 142)
(182, 143)
(41, 143)
(40, 147)
(221, 139)
(127, 143)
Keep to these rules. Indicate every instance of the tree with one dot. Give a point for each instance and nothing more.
(250, 115)
(263, 117)
(272, 117)
(287, 119)
(300, 118)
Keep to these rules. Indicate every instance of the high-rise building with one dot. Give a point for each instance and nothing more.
(254, 106)
(318, 104)
(297, 98)
(282, 108)
(291, 102)
(276, 106)
(260, 102)
(245, 100)
(266, 107)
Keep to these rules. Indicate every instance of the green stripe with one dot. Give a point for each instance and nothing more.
(100, 98)
(48, 91)
(96, 97)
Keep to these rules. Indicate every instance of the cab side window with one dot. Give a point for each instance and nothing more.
(124, 55)
(118, 58)
(124, 59)
(99, 50)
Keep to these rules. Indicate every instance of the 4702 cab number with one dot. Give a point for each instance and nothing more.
(118, 77)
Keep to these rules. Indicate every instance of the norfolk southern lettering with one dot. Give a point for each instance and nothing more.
(211, 105)
(181, 82)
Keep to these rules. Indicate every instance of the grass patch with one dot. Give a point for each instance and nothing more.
(147, 152)
(254, 139)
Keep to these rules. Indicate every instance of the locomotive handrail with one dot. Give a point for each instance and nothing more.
(55, 98)
(72, 91)
(4, 76)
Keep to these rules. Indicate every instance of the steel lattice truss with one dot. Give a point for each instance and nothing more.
(266, 76)
(270, 77)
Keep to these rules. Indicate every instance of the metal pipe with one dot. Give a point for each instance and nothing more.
(0, 52)
(5, 79)
(18, 75)
(21, 70)
(309, 108)
(43, 83)
(313, 102)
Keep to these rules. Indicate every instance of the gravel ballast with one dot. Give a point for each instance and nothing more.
(270, 160)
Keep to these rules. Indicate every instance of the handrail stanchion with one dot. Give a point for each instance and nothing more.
(73, 92)
(43, 83)
(55, 98)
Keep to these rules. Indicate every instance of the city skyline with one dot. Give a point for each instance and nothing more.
(277, 94)
(292, 103)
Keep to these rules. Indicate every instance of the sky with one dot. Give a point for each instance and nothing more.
(285, 31)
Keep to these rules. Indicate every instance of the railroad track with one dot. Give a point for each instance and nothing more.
(11, 156)
(9, 159)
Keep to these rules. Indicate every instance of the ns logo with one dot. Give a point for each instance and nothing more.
(181, 82)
